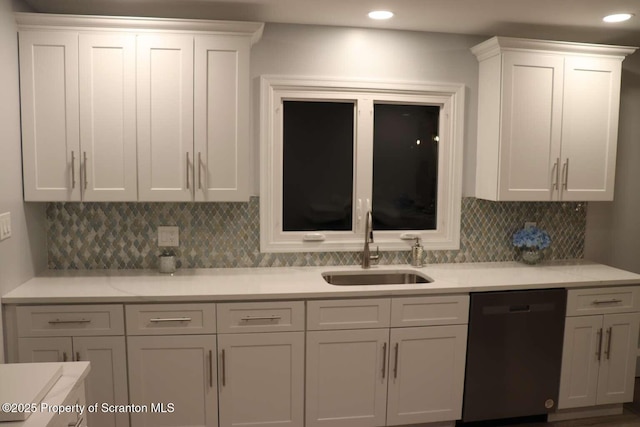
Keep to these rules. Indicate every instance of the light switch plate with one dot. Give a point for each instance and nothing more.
(5, 225)
(168, 236)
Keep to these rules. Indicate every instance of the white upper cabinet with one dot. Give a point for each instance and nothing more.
(126, 109)
(107, 117)
(165, 114)
(221, 121)
(193, 107)
(590, 127)
(547, 120)
(50, 119)
(78, 108)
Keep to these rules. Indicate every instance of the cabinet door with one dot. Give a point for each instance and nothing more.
(108, 117)
(107, 381)
(347, 375)
(221, 122)
(590, 128)
(178, 370)
(50, 122)
(531, 126)
(426, 374)
(618, 365)
(165, 118)
(261, 379)
(580, 361)
(55, 349)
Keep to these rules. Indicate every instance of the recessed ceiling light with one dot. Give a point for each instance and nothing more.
(618, 17)
(380, 14)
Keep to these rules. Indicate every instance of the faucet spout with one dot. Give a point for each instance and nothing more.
(367, 257)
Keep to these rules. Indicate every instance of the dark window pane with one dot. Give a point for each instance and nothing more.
(405, 167)
(318, 166)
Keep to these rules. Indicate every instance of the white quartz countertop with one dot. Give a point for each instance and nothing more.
(73, 374)
(102, 286)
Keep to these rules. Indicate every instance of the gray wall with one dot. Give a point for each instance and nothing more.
(357, 53)
(613, 228)
(24, 253)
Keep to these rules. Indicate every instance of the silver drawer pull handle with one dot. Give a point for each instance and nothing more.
(60, 321)
(607, 301)
(250, 318)
(170, 319)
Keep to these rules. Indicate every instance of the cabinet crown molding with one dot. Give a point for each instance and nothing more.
(496, 45)
(138, 24)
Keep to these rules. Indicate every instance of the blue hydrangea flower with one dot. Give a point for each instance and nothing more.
(531, 237)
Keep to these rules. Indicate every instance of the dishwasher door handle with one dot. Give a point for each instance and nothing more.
(522, 308)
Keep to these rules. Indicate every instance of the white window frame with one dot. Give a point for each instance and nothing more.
(276, 89)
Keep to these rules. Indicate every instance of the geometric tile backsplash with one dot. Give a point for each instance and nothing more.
(212, 235)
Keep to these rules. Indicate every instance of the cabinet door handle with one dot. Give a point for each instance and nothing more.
(555, 172)
(210, 369)
(599, 353)
(384, 360)
(187, 169)
(77, 356)
(395, 363)
(565, 174)
(224, 369)
(61, 321)
(170, 319)
(86, 179)
(607, 301)
(199, 170)
(64, 356)
(607, 352)
(73, 169)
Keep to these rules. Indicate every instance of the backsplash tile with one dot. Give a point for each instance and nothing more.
(123, 235)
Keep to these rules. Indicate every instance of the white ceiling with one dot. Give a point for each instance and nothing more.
(574, 20)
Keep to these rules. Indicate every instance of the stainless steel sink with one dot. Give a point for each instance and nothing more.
(346, 278)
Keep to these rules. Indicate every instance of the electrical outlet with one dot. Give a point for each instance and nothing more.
(5, 225)
(168, 236)
(529, 224)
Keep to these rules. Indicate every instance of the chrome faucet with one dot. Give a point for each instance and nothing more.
(367, 257)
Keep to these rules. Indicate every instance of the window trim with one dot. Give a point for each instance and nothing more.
(364, 93)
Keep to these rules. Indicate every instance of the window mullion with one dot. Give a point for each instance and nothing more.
(363, 158)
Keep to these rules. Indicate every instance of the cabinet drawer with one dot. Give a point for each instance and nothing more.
(348, 314)
(425, 311)
(260, 317)
(582, 302)
(168, 319)
(70, 320)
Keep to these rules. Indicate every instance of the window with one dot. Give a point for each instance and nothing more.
(332, 150)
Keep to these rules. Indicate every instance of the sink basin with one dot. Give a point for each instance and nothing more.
(346, 278)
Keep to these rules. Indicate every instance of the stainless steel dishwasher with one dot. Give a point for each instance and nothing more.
(514, 352)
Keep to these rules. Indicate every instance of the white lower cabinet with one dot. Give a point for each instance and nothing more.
(599, 359)
(261, 363)
(175, 378)
(347, 375)
(426, 376)
(94, 333)
(382, 376)
(107, 380)
(600, 346)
